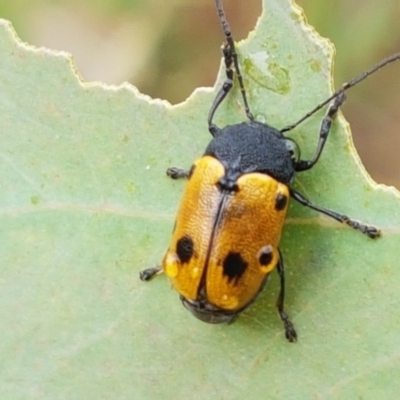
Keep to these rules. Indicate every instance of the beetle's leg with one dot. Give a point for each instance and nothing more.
(346, 86)
(326, 124)
(177, 173)
(149, 273)
(224, 90)
(370, 231)
(290, 332)
(231, 66)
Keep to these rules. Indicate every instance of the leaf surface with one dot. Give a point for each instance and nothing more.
(86, 205)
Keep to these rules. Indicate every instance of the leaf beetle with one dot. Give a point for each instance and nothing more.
(225, 242)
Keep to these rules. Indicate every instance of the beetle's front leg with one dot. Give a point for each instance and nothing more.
(303, 165)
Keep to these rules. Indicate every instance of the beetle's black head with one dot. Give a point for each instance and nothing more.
(255, 147)
(206, 312)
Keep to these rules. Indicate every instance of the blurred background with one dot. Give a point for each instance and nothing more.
(168, 48)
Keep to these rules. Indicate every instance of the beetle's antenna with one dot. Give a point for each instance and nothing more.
(231, 66)
(347, 85)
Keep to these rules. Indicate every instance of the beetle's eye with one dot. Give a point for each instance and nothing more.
(293, 149)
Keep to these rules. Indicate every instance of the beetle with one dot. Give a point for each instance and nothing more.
(225, 242)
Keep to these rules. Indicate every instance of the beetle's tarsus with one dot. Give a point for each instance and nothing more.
(177, 173)
(149, 273)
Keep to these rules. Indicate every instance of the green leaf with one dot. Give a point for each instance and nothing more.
(86, 205)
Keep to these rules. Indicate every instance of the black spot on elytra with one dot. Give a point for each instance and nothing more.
(234, 266)
(280, 202)
(184, 248)
(265, 255)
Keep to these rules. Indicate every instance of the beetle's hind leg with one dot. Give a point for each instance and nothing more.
(290, 332)
(370, 231)
(149, 273)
